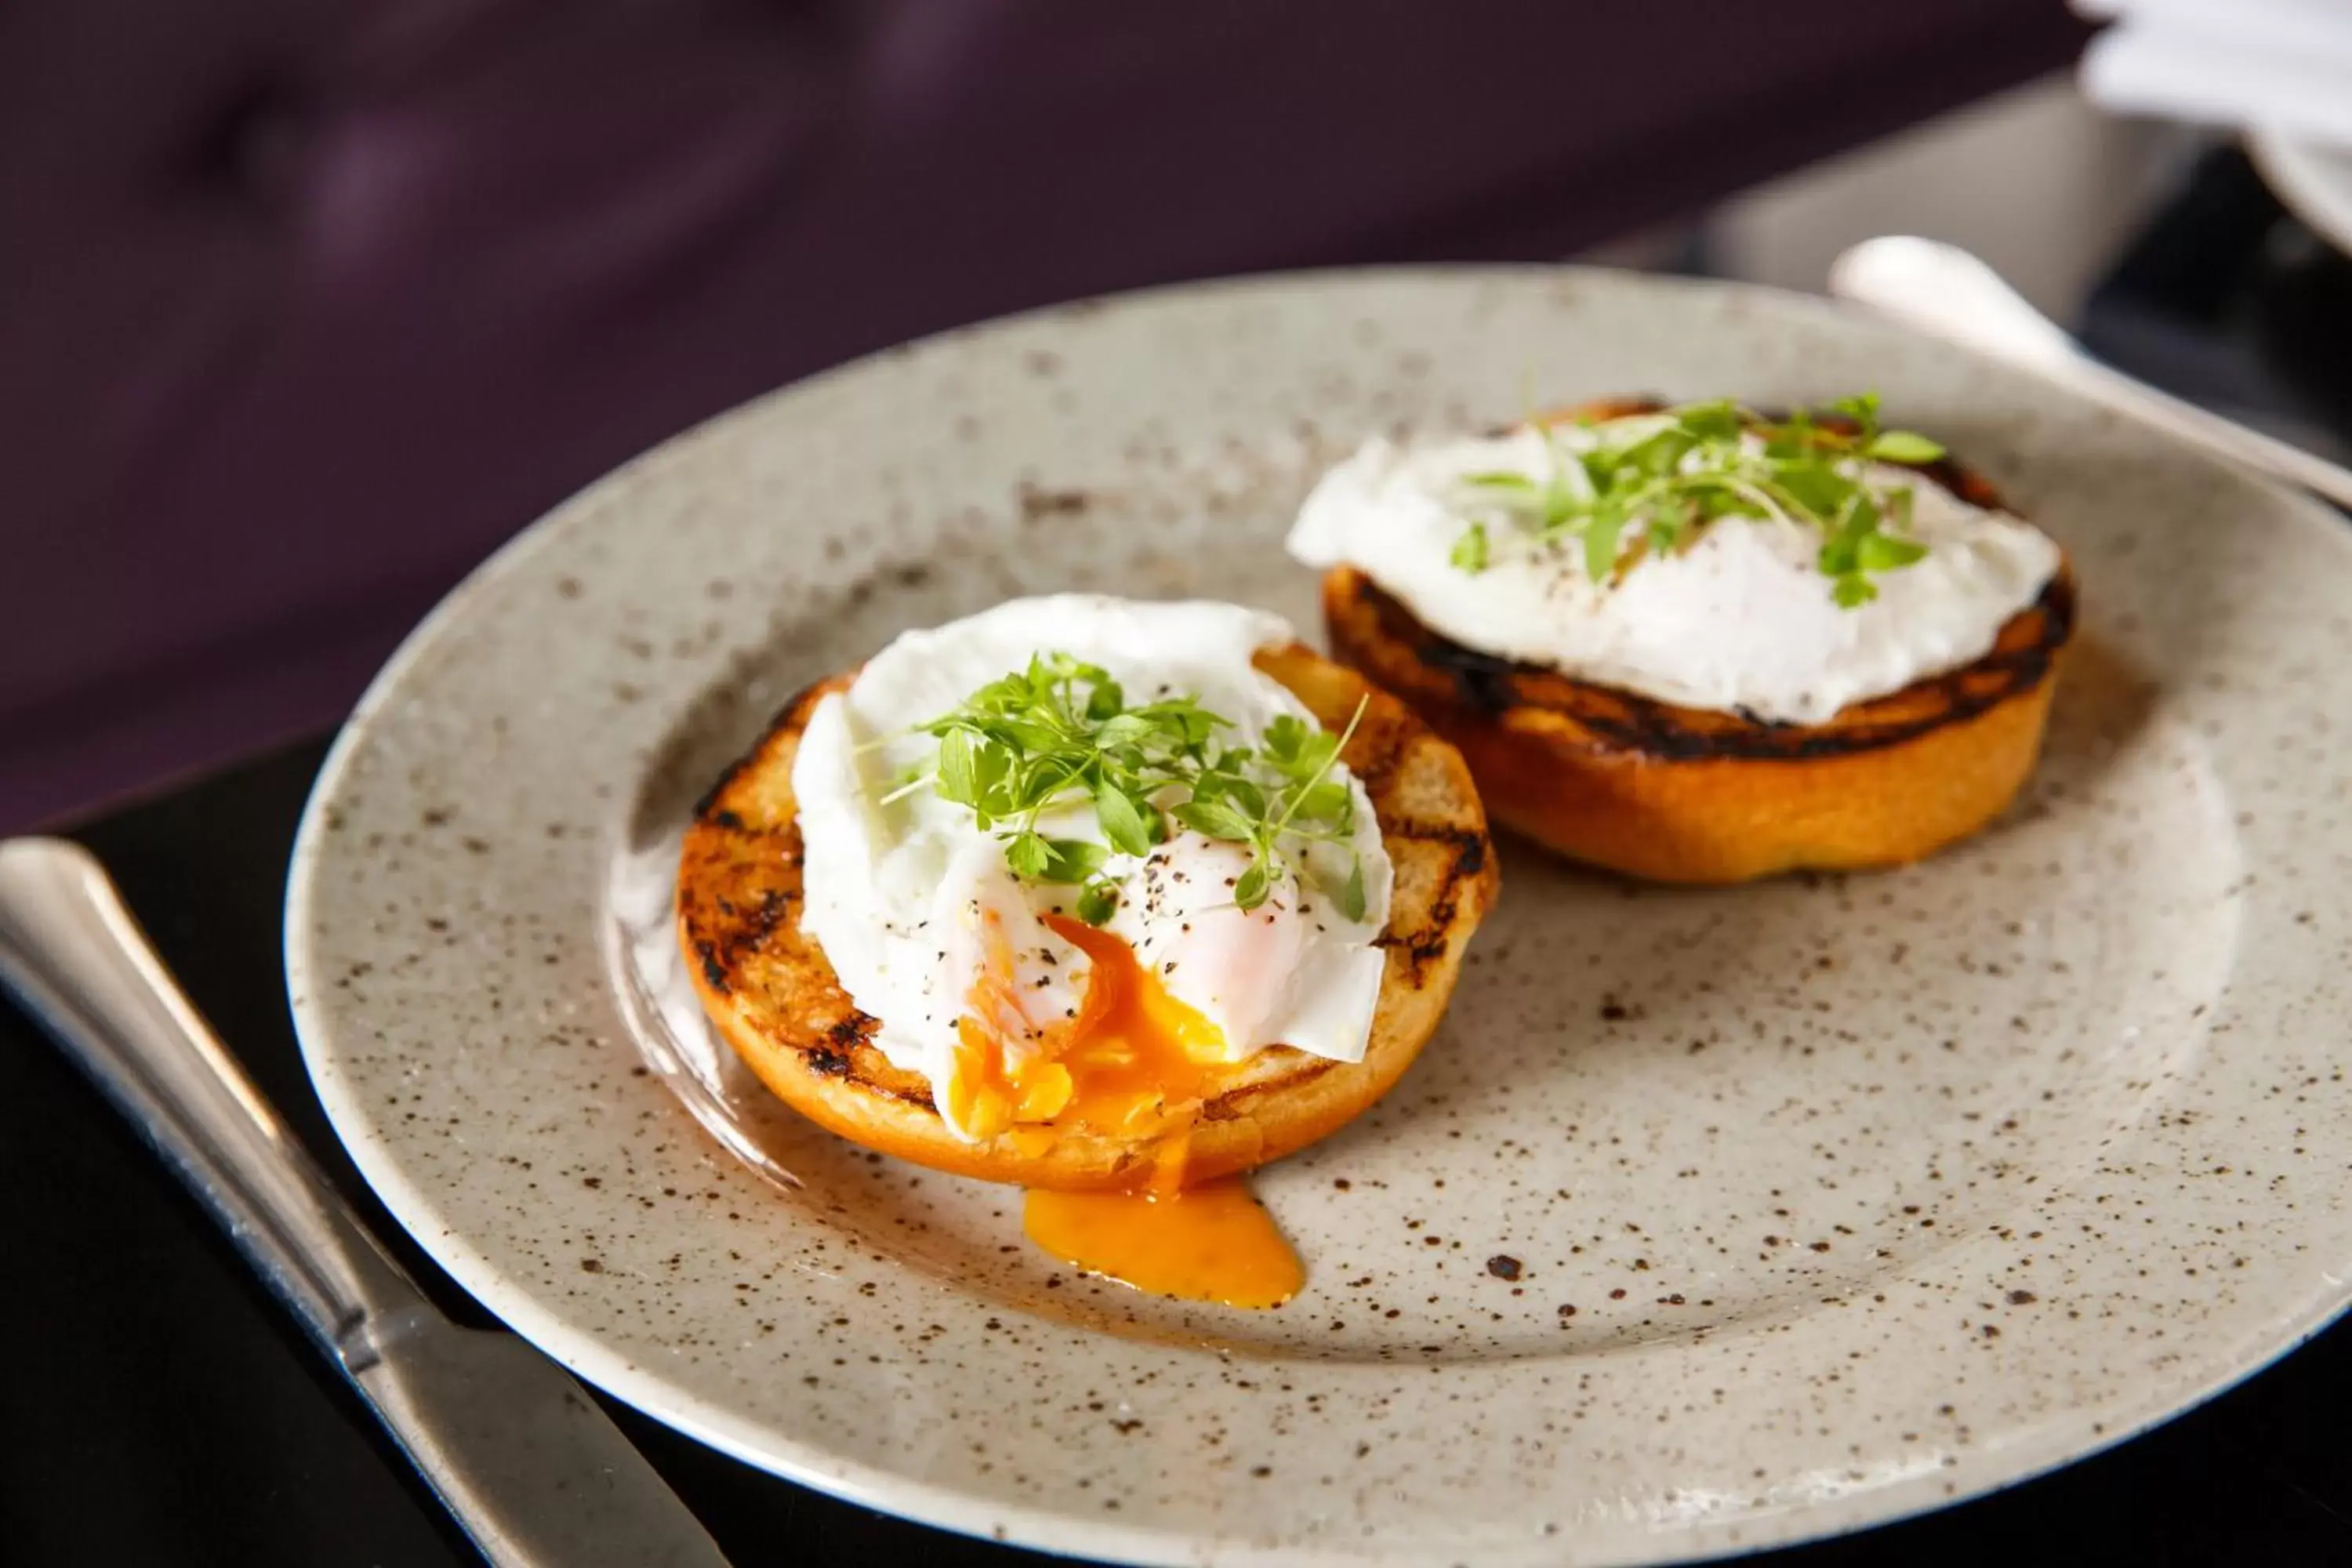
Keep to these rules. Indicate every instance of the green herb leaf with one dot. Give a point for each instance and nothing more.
(1246, 798)
(1106, 701)
(1098, 901)
(1286, 741)
(1351, 895)
(955, 770)
(1861, 515)
(1657, 455)
(1886, 553)
(1070, 860)
(1298, 750)
(1028, 855)
(1902, 446)
(1250, 888)
(1214, 818)
(1470, 551)
(1030, 734)
(1706, 422)
(1818, 489)
(1329, 801)
(1600, 544)
(1123, 820)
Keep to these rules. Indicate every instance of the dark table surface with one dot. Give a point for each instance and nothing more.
(160, 1410)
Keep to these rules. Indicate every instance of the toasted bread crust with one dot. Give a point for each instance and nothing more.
(770, 991)
(1683, 794)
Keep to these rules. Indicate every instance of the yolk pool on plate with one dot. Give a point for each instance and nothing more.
(1214, 1242)
(1136, 1060)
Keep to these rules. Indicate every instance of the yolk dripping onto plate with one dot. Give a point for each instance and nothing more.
(1136, 1062)
(1214, 1242)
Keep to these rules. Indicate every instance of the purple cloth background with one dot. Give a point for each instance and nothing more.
(304, 306)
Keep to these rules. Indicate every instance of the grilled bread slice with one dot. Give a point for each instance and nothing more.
(771, 992)
(1683, 795)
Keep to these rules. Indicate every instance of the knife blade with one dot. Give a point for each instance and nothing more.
(523, 1460)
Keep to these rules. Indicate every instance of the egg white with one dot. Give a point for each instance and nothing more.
(899, 892)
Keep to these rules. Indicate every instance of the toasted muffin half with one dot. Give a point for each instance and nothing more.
(769, 992)
(1698, 795)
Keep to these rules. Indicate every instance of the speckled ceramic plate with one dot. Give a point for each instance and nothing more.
(1710, 1219)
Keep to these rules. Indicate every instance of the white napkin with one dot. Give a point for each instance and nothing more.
(2284, 64)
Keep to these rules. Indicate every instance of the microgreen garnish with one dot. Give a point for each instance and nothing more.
(1061, 731)
(1655, 488)
(1470, 550)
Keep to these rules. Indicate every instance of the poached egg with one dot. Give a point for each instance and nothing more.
(1743, 620)
(1017, 1012)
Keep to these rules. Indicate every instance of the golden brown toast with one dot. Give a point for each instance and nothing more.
(770, 991)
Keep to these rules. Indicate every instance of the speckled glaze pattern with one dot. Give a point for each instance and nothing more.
(1710, 1220)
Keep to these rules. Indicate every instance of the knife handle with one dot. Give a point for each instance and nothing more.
(533, 1472)
(73, 955)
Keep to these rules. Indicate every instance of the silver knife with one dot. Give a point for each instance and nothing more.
(522, 1459)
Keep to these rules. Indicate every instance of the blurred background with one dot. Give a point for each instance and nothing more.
(306, 305)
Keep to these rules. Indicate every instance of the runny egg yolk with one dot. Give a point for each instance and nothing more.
(1214, 1242)
(1135, 1061)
